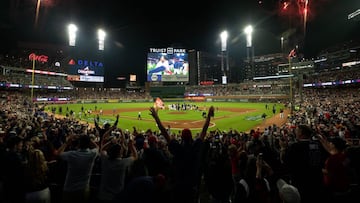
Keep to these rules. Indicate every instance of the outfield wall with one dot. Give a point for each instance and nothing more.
(167, 91)
(249, 98)
(229, 98)
(243, 98)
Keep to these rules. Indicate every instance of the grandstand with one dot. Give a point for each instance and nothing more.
(330, 104)
(334, 66)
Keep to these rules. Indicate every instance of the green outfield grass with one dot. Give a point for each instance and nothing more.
(227, 115)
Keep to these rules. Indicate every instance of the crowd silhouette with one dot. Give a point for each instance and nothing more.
(313, 157)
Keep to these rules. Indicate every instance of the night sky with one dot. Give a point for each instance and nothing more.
(134, 26)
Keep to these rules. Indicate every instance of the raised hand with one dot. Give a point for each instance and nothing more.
(211, 111)
(153, 112)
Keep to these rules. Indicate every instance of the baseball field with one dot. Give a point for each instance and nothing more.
(240, 116)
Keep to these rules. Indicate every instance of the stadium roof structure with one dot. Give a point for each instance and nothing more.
(273, 77)
(354, 15)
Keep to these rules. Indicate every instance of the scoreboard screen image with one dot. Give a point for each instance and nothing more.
(167, 65)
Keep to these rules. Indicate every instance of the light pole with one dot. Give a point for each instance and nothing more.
(37, 13)
(291, 54)
(101, 38)
(32, 79)
(223, 37)
(72, 29)
(248, 32)
(282, 44)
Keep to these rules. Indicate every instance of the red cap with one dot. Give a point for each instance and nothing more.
(152, 139)
(233, 141)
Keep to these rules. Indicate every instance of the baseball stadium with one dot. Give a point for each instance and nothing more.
(194, 125)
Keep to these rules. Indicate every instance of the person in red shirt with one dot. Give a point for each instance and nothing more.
(335, 171)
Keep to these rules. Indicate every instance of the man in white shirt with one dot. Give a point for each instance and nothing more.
(79, 167)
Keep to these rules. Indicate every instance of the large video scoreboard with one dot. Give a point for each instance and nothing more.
(167, 65)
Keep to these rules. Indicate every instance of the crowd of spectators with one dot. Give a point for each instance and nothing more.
(262, 87)
(348, 73)
(313, 157)
(21, 59)
(22, 78)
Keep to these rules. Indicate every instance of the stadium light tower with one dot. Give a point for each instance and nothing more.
(101, 38)
(72, 29)
(249, 48)
(248, 31)
(223, 37)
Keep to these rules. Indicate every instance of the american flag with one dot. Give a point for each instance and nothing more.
(292, 53)
(158, 104)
